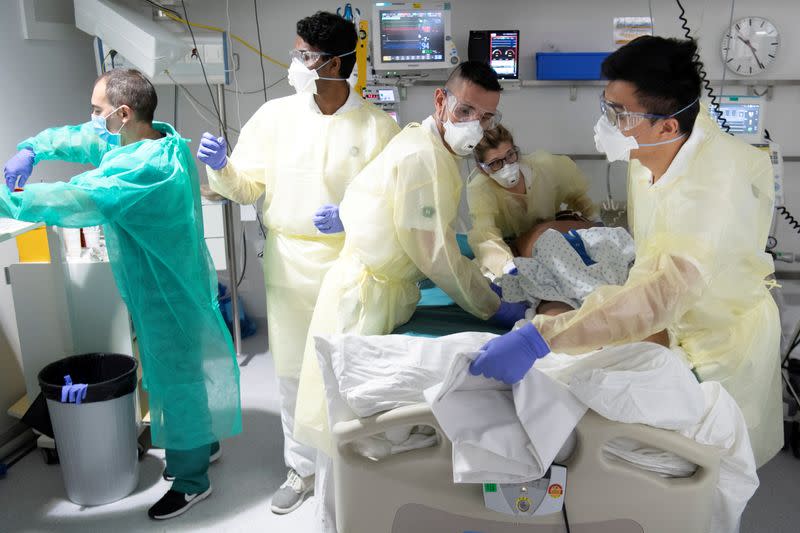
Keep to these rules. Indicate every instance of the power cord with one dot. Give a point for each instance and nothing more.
(702, 69)
(261, 54)
(195, 53)
(564, 512)
(793, 223)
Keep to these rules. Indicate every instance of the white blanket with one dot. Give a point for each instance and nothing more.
(512, 435)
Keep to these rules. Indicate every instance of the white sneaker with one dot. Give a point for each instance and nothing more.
(292, 493)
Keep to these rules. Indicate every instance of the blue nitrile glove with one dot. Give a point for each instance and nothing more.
(213, 151)
(66, 388)
(508, 358)
(509, 313)
(73, 393)
(20, 166)
(78, 393)
(327, 220)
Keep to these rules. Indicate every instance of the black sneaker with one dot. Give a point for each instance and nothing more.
(175, 503)
(216, 453)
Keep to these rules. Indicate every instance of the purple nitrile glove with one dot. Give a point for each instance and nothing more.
(213, 151)
(509, 357)
(19, 167)
(327, 220)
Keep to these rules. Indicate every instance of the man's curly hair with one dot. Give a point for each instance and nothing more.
(331, 34)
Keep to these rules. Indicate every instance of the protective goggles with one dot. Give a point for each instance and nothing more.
(627, 120)
(308, 57)
(463, 112)
(511, 157)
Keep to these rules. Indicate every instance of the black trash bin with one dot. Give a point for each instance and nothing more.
(91, 402)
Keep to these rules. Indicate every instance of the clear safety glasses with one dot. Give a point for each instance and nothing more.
(307, 57)
(512, 156)
(622, 119)
(463, 112)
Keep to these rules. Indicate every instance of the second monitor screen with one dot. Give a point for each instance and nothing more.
(504, 53)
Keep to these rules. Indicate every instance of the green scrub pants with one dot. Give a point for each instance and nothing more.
(190, 468)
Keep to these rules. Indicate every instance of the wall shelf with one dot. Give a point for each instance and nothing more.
(751, 84)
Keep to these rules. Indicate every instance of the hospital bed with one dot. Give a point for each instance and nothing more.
(414, 492)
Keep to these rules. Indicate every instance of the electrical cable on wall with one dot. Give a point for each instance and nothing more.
(702, 68)
(255, 91)
(235, 64)
(793, 223)
(195, 53)
(261, 58)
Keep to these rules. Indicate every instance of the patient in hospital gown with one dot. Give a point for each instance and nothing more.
(561, 262)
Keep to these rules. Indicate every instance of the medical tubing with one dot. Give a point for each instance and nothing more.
(702, 70)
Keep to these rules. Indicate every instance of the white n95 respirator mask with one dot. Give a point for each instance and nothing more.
(508, 176)
(302, 78)
(463, 136)
(617, 147)
(610, 141)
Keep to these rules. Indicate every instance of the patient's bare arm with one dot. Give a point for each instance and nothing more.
(525, 242)
(556, 308)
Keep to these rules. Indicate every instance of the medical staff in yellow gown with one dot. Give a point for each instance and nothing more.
(397, 215)
(504, 207)
(299, 159)
(700, 213)
(700, 272)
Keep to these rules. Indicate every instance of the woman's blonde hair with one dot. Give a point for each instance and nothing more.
(492, 139)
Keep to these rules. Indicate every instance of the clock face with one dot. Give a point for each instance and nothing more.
(750, 46)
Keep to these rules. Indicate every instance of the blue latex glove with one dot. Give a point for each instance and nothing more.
(20, 166)
(327, 220)
(508, 358)
(213, 151)
(509, 313)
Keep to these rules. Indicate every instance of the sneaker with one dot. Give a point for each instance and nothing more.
(175, 503)
(216, 453)
(292, 493)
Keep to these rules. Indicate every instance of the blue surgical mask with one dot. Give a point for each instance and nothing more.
(100, 128)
